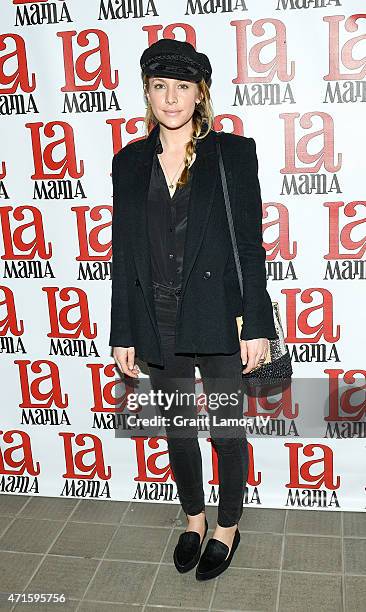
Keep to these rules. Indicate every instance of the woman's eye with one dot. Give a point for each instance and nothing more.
(160, 85)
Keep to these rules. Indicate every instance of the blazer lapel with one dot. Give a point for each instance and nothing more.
(203, 186)
(200, 202)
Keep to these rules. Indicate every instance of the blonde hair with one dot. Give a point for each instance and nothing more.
(203, 113)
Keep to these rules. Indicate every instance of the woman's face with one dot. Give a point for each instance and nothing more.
(172, 101)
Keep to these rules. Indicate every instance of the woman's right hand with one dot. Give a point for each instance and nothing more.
(125, 359)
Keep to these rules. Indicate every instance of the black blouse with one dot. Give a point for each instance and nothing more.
(167, 224)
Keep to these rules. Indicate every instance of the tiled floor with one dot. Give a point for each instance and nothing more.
(109, 556)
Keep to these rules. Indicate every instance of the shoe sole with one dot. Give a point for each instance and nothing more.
(224, 565)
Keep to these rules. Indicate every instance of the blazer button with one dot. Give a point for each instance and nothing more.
(207, 274)
(137, 282)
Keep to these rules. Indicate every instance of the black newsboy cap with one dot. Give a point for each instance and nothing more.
(175, 59)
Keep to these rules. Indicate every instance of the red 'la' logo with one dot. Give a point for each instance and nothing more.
(26, 220)
(8, 319)
(315, 472)
(16, 459)
(17, 78)
(107, 388)
(76, 301)
(90, 229)
(297, 148)
(342, 236)
(300, 322)
(151, 467)
(34, 377)
(343, 406)
(44, 154)
(262, 406)
(248, 56)
(84, 457)
(75, 67)
(345, 55)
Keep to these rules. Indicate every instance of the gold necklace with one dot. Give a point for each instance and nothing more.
(171, 185)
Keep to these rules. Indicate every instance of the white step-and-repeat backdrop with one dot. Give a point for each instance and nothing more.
(289, 73)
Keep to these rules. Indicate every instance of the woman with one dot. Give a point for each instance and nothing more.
(175, 292)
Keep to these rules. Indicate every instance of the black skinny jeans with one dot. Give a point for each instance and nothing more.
(221, 373)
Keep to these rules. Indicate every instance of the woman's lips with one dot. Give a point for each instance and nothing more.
(172, 112)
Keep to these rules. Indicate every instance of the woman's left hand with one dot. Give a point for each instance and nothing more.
(252, 351)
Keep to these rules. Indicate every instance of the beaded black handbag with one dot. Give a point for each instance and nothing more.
(277, 365)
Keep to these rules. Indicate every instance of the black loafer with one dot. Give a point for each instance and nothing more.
(188, 550)
(213, 561)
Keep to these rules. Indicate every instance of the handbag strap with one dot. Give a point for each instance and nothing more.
(229, 213)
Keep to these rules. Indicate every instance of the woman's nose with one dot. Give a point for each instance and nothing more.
(171, 97)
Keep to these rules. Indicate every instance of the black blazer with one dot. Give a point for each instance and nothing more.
(210, 298)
